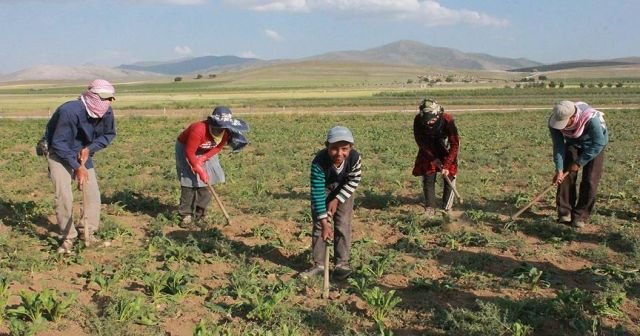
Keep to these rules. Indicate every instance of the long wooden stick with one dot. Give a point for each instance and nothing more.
(325, 284)
(453, 187)
(224, 211)
(535, 199)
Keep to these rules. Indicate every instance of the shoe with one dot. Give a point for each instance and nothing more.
(186, 221)
(93, 241)
(564, 219)
(430, 212)
(66, 246)
(341, 272)
(578, 223)
(316, 270)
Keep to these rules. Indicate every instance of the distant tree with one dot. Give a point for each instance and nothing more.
(618, 84)
(591, 85)
(177, 79)
(449, 79)
(542, 77)
(582, 85)
(561, 85)
(212, 75)
(199, 76)
(600, 85)
(518, 85)
(552, 84)
(409, 81)
(609, 85)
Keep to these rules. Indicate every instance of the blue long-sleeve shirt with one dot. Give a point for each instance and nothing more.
(592, 141)
(71, 128)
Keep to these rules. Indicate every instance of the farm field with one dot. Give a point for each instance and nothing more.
(471, 272)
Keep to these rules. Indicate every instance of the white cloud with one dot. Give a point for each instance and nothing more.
(170, 2)
(273, 35)
(429, 12)
(247, 54)
(183, 50)
(271, 5)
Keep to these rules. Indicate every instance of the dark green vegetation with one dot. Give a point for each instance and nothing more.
(474, 272)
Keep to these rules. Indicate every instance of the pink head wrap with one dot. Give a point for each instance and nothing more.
(584, 113)
(97, 97)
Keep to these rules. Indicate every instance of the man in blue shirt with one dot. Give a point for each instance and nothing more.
(579, 135)
(76, 131)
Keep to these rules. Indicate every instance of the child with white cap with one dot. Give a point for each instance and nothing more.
(335, 175)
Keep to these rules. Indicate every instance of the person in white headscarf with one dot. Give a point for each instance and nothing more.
(579, 136)
(76, 131)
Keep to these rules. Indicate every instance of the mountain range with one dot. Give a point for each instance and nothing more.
(402, 53)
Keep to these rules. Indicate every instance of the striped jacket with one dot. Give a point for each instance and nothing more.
(324, 176)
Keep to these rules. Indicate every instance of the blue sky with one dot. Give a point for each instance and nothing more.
(113, 32)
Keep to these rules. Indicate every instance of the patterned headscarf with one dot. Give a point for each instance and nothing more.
(97, 97)
(584, 113)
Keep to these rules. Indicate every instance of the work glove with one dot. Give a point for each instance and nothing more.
(198, 169)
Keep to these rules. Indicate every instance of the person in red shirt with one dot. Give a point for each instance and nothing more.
(197, 161)
(436, 134)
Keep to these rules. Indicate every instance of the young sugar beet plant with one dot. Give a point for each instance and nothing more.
(104, 276)
(381, 305)
(174, 285)
(4, 295)
(48, 304)
(125, 309)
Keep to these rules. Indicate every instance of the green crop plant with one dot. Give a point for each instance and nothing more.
(204, 328)
(464, 238)
(264, 232)
(4, 295)
(172, 251)
(244, 282)
(104, 276)
(43, 305)
(132, 308)
(177, 283)
(530, 275)
(381, 304)
(19, 327)
(360, 282)
(377, 265)
(153, 284)
(264, 303)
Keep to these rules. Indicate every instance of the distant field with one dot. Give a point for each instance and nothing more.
(336, 86)
(203, 97)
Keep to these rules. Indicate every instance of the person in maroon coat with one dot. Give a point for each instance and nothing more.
(436, 134)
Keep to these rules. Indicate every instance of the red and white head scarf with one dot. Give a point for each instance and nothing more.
(584, 113)
(97, 106)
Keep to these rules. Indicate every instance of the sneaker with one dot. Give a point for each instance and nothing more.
(564, 219)
(93, 241)
(316, 270)
(341, 272)
(577, 223)
(186, 221)
(66, 246)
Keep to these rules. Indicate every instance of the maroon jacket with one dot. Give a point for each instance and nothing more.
(440, 141)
